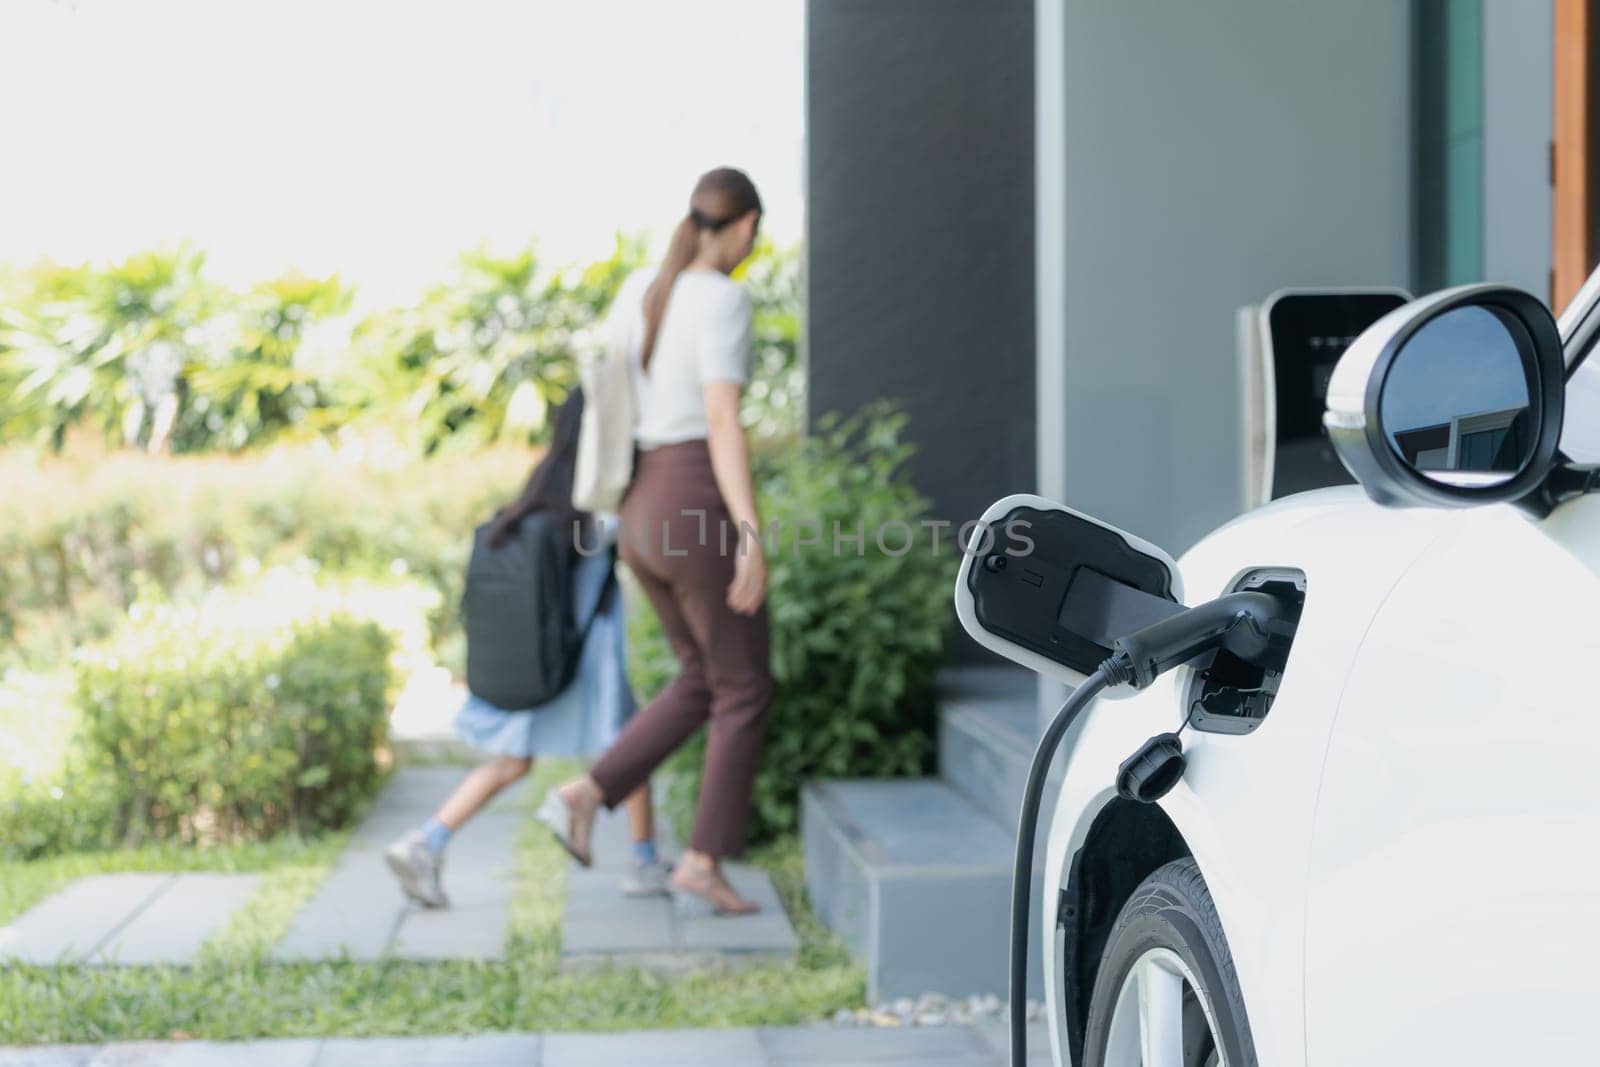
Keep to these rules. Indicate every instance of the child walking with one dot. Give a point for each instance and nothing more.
(581, 722)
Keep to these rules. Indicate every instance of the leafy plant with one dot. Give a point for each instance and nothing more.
(104, 348)
(148, 353)
(858, 627)
(253, 385)
(483, 357)
(775, 400)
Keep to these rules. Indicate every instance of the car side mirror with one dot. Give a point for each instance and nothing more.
(1452, 400)
(1052, 589)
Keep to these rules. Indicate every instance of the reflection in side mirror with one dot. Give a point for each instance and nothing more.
(1455, 405)
(1452, 400)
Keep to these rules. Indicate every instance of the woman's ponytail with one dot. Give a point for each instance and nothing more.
(680, 253)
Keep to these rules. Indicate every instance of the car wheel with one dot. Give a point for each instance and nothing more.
(1166, 994)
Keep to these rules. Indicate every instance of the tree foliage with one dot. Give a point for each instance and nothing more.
(150, 353)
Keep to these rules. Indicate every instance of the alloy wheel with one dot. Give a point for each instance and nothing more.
(1161, 1018)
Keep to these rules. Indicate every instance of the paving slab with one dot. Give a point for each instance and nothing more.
(660, 1048)
(48, 1056)
(69, 926)
(183, 917)
(768, 932)
(278, 1053)
(810, 1046)
(602, 928)
(290, 1053)
(359, 912)
(480, 1050)
(997, 1035)
(135, 1054)
(127, 919)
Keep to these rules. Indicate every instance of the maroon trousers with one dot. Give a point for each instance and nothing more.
(679, 542)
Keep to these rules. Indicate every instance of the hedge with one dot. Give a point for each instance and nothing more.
(234, 720)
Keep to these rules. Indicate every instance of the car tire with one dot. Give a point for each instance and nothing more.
(1168, 937)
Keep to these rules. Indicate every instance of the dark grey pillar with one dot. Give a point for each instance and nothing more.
(920, 231)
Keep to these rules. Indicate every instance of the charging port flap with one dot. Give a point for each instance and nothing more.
(1052, 589)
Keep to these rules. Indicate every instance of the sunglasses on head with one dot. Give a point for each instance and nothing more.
(706, 222)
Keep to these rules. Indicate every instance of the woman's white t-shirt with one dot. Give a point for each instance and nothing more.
(704, 337)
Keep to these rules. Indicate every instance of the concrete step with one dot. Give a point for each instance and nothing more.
(988, 726)
(915, 878)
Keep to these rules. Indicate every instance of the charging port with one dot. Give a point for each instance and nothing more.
(1231, 696)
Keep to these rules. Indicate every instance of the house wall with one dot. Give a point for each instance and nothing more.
(919, 190)
(1195, 157)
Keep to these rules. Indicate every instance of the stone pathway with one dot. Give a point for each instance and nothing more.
(602, 928)
(126, 919)
(359, 912)
(816, 1046)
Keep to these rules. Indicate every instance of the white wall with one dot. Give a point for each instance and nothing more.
(1204, 155)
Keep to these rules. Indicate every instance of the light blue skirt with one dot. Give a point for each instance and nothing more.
(589, 713)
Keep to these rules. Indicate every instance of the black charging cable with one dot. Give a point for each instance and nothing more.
(1114, 671)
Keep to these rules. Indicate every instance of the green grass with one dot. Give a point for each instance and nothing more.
(235, 993)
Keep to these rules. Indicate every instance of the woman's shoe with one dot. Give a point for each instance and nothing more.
(570, 824)
(709, 885)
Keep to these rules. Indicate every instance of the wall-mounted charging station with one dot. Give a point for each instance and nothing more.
(1288, 346)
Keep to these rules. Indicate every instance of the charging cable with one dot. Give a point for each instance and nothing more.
(1113, 671)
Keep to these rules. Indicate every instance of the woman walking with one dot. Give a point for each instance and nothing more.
(689, 534)
(581, 721)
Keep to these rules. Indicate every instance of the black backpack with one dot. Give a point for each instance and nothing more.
(523, 641)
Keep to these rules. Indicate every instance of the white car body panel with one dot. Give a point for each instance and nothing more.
(1453, 879)
(1297, 871)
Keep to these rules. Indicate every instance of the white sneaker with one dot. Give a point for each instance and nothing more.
(418, 870)
(647, 879)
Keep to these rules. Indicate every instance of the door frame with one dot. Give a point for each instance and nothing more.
(1571, 137)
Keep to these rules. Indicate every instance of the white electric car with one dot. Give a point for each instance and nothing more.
(1388, 850)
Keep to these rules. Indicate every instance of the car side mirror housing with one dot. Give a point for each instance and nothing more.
(1051, 588)
(1452, 400)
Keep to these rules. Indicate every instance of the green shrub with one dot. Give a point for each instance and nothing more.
(232, 720)
(43, 808)
(856, 639)
(75, 814)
